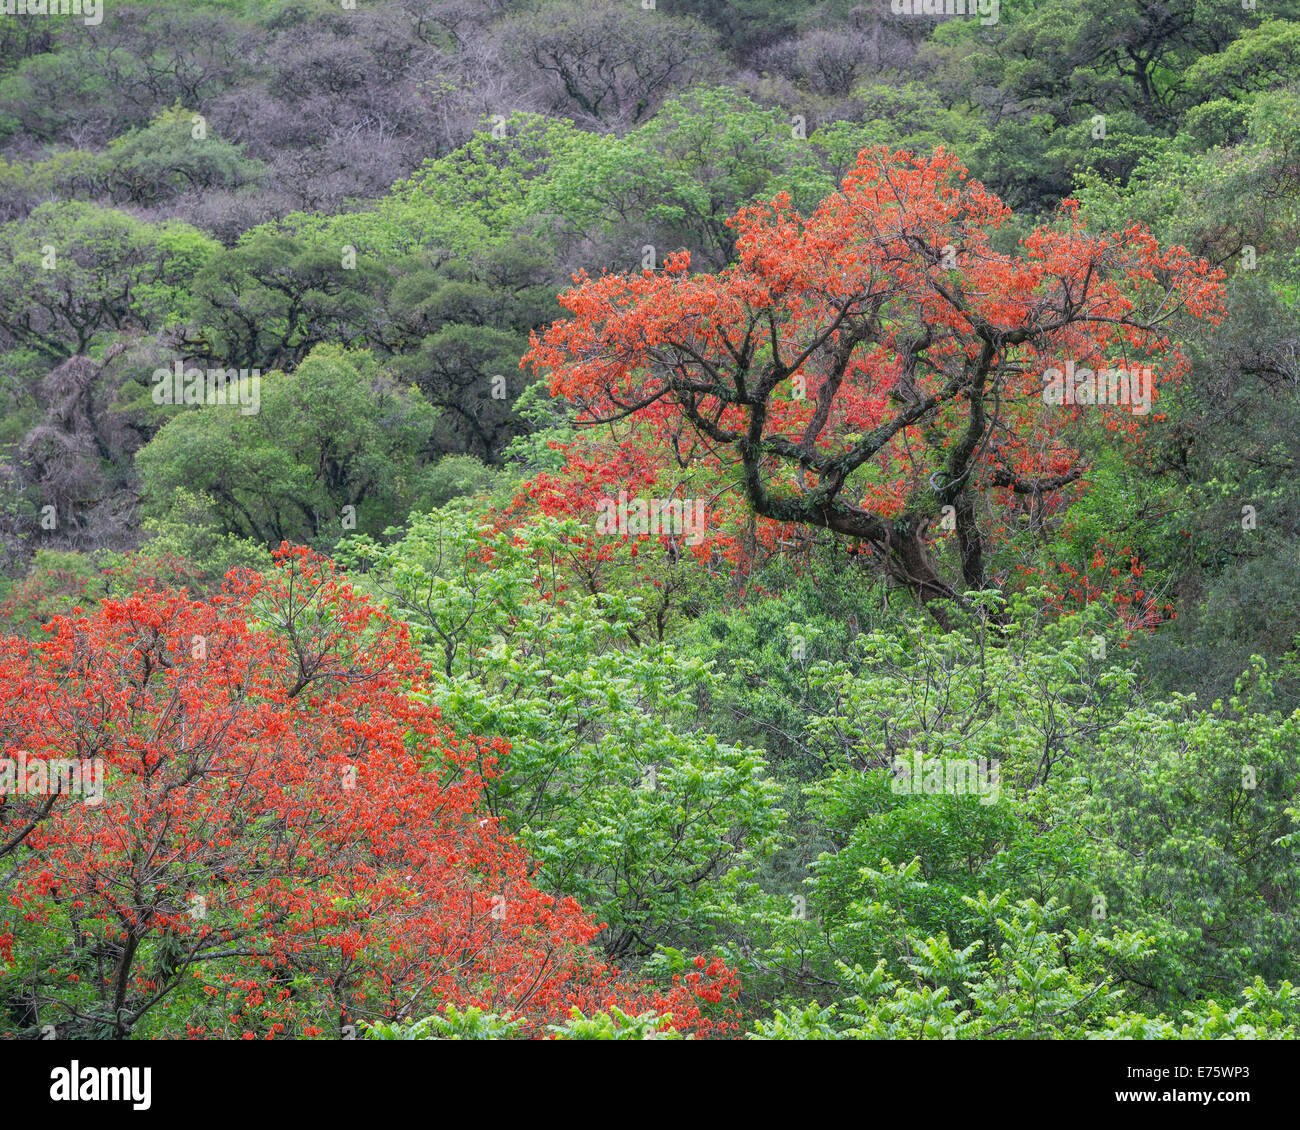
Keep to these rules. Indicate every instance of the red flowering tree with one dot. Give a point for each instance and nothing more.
(268, 828)
(877, 368)
(600, 477)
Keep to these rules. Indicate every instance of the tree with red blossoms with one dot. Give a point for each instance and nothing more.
(878, 368)
(267, 814)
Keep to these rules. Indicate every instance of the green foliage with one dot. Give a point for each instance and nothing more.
(1219, 511)
(724, 779)
(1126, 814)
(680, 177)
(166, 159)
(334, 446)
(55, 584)
(74, 273)
(191, 530)
(1031, 981)
(453, 1024)
(477, 196)
(269, 301)
(652, 825)
(475, 1024)
(1055, 66)
(1260, 58)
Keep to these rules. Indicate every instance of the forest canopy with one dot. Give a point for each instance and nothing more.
(586, 519)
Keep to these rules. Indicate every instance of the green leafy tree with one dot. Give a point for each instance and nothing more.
(269, 301)
(172, 156)
(653, 826)
(71, 274)
(334, 446)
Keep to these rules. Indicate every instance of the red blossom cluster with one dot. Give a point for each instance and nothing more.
(285, 823)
